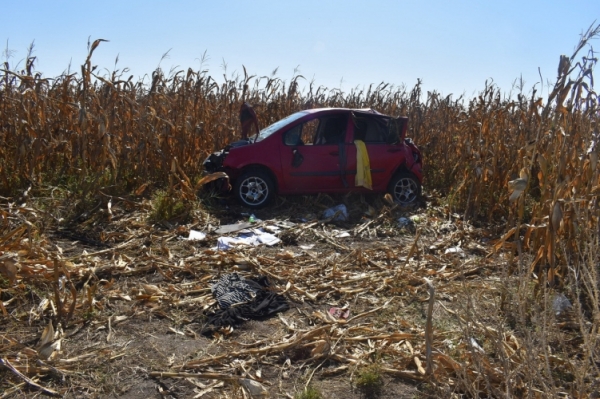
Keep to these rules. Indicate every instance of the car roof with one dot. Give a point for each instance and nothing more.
(333, 109)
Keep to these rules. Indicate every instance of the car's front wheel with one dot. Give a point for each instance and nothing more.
(254, 188)
(405, 188)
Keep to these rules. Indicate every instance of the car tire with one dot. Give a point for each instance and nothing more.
(405, 188)
(254, 188)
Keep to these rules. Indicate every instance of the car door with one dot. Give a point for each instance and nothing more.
(383, 157)
(311, 153)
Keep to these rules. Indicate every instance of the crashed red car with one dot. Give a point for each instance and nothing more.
(321, 151)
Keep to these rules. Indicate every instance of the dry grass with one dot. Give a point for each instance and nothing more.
(527, 166)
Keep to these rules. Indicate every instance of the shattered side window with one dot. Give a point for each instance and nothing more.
(332, 130)
(292, 136)
(303, 134)
(269, 130)
(309, 131)
(370, 130)
(396, 129)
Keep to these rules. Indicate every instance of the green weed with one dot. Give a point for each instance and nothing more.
(309, 392)
(369, 381)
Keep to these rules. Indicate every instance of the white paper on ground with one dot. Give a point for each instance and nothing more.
(254, 237)
(196, 235)
(340, 234)
(455, 250)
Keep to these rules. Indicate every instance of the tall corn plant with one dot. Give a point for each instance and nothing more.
(120, 134)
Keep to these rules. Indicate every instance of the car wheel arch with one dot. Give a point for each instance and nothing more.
(262, 168)
(402, 168)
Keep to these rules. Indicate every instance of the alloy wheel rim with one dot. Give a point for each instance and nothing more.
(405, 191)
(254, 190)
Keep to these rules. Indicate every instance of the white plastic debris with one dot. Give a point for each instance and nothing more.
(339, 211)
(455, 250)
(561, 304)
(476, 345)
(272, 229)
(196, 235)
(254, 237)
(267, 238)
(340, 234)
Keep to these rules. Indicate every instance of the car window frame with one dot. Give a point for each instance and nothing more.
(275, 127)
(372, 119)
(318, 120)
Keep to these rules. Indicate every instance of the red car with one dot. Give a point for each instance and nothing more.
(318, 151)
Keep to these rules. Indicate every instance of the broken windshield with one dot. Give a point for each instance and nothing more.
(269, 130)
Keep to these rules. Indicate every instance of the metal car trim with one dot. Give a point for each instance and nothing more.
(333, 173)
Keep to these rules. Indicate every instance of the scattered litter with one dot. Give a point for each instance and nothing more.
(561, 304)
(241, 299)
(196, 235)
(340, 234)
(338, 213)
(476, 345)
(231, 289)
(455, 250)
(248, 233)
(339, 313)
(404, 222)
(320, 269)
(232, 228)
(253, 237)
(449, 344)
(285, 224)
(272, 229)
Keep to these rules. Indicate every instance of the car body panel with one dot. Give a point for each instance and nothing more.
(312, 167)
(256, 154)
(318, 172)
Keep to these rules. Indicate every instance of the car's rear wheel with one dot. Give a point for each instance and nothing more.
(404, 188)
(254, 188)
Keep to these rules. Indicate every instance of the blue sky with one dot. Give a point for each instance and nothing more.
(453, 46)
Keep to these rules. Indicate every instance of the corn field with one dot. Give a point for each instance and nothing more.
(528, 163)
(103, 133)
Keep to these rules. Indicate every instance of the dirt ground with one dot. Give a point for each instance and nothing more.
(115, 305)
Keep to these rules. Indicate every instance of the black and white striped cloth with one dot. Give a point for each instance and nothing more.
(241, 299)
(231, 289)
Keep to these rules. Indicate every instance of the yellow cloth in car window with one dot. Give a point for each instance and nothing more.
(363, 166)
